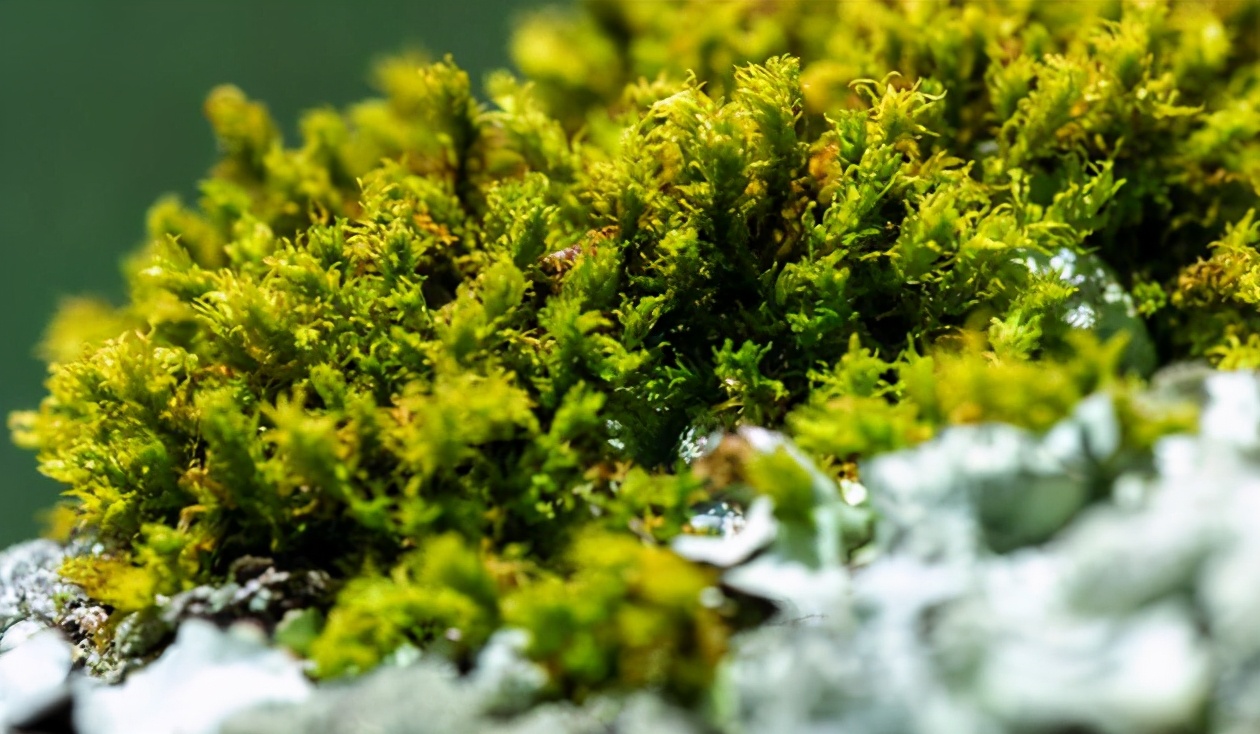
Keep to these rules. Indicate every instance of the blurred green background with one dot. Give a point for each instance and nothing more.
(100, 113)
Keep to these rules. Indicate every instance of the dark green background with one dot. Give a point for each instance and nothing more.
(100, 113)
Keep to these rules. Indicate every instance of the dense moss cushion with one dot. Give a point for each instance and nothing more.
(475, 360)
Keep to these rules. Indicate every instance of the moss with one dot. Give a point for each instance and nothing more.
(453, 352)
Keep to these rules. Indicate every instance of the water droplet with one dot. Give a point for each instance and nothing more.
(717, 519)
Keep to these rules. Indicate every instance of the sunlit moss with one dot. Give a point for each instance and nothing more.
(450, 350)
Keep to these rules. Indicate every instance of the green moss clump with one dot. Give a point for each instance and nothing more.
(454, 353)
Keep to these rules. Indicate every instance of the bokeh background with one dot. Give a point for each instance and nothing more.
(100, 113)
